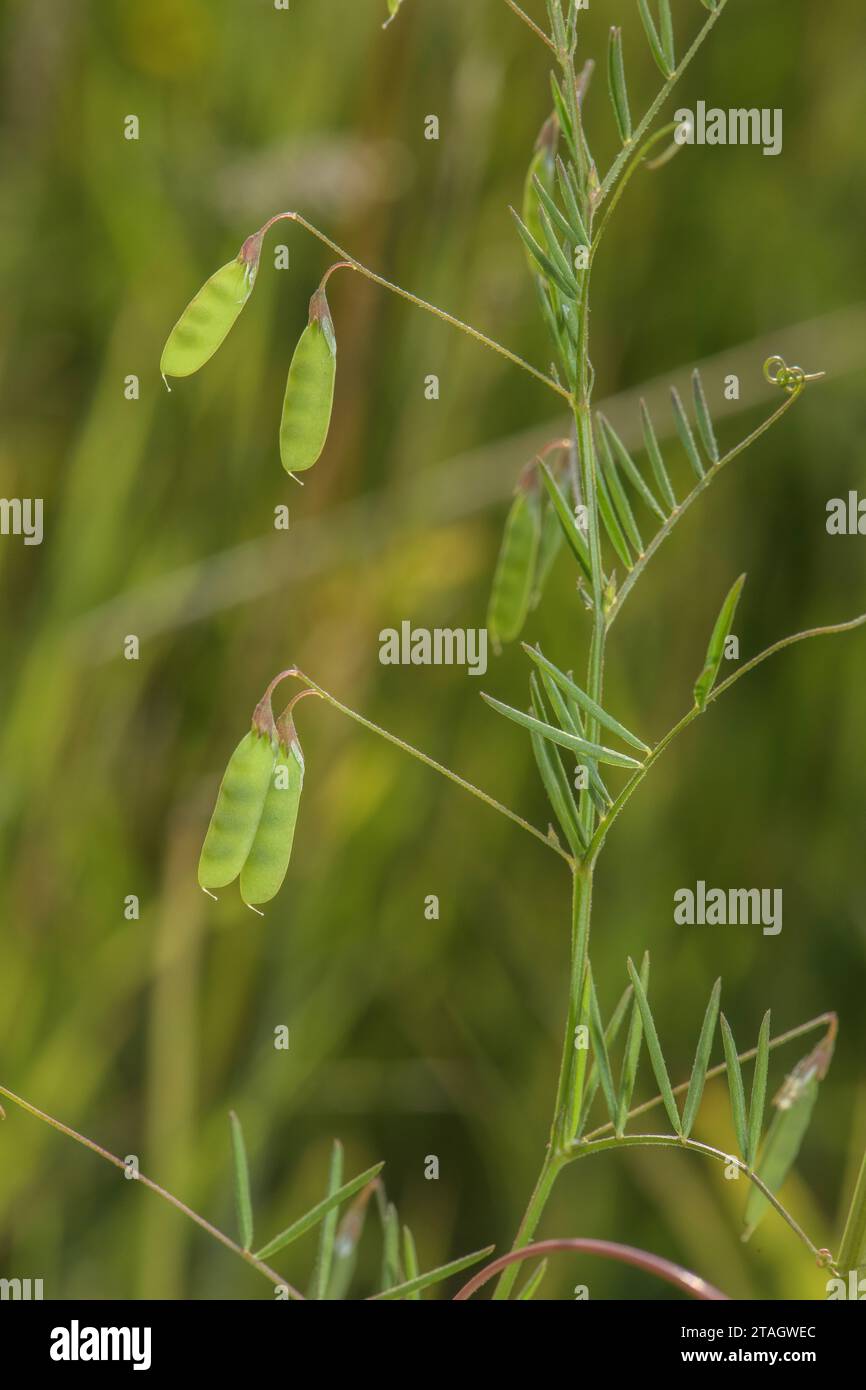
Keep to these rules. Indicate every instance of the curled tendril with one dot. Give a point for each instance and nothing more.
(778, 373)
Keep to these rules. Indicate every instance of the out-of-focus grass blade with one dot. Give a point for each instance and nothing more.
(704, 419)
(653, 38)
(631, 1060)
(328, 1233)
(654, 454)
(243, 1200)
(617, 491)
(410, 1261)
(599, 1051)
(577, 541)
(317, 1213)
(434, 1276)
(562, 736)
(758, 1097)
(616, 84)
(654, 1048)
(684, 430)
(852, 1251)
(533, 1283)
(702, 1060)
(716, 648)
(589, 705)
(735, 1086)
(630, 468)
(555, 782)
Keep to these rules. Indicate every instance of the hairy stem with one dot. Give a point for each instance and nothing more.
(349, 263)
(180, 1206)
(437, 767)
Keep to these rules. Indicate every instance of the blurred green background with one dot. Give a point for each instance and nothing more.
(409, 1037)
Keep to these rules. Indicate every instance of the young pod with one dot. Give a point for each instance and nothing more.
(239, 806)
(268, 860)
(309, 390)
(206, 320)
(514, 579)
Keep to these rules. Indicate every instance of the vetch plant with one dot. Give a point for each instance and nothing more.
(589, 495)
(609, 511)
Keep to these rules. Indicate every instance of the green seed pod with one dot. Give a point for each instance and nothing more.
(309, 390)
(238, 809)
(268, 860)
(515, 573)
(207, 319)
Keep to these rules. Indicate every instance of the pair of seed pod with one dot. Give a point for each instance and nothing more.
(252, 828)
(309, 397)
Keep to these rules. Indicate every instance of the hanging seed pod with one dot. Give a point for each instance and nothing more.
(206, 320)
(309, 390)
(268, 860)
(238, 809)
(514, 577)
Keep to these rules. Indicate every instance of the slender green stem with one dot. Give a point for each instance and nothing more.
(550, 1170)
(531, 24)
(437, 767)
(646, 121)
(180, 1206)
(635, 780)
(671, 1141)
(701, 486)
(349, 263)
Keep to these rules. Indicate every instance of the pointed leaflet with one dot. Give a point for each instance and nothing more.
(653, 38)
(630, 468)
(573, 232)
(349, 1233)
(555, 781)
(433, 1276)
(684, 430)
(570, 529)
(611, 525)
(616, 84)
(702, 415)
(759, 1090)
(328, 1233)
(599, 1050)
(557, 255)
(243, 1201)
(569, 718)
(655, 1051)
(611, 1033)
(617, 491)
(539, 178)
(632, 1054)
(560, 736)
(392, 1265)
(568, 285)
(317, 1213)
(666, 26)
(735, 1086)
(570, 201)
(592, 708)
(702, 1060)
(655, 458)
(716, 649)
